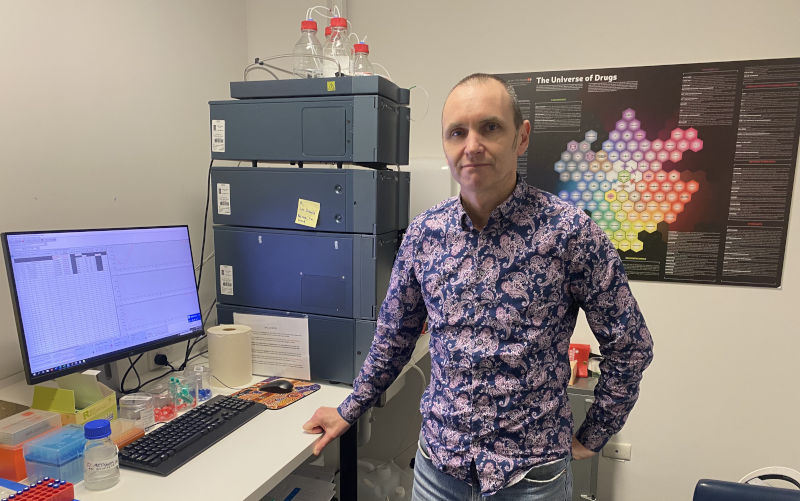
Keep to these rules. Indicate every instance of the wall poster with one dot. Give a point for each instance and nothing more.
(687, 168)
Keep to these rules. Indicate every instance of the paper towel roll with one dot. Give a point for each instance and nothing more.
(230, 354)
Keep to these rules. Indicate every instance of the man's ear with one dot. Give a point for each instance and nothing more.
(523, 137)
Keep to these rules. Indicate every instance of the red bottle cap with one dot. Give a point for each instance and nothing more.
(339, 22)
(361, 47)
(308, 24)
(327, 31)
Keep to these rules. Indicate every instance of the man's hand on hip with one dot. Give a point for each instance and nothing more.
(326, 420)
(579, 451)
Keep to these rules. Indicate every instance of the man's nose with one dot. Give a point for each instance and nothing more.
(474, 145)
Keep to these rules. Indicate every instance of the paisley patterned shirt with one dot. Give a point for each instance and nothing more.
(501, 305)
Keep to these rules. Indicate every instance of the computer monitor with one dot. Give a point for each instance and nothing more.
(83, 298)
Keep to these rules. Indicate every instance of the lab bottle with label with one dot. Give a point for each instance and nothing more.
(100, 456)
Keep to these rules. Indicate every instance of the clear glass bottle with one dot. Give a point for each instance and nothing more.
(305, 64)
(338, 48)
(100, 456)
(361, 64)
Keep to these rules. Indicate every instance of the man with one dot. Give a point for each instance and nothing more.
(500, 272)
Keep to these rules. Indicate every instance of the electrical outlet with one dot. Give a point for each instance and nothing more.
(174, 352)
(617, 451)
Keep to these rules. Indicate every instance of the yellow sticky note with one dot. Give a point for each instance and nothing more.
(307, 213)
(331, 85)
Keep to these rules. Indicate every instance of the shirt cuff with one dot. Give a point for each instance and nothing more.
(593, 437)
(350, 410)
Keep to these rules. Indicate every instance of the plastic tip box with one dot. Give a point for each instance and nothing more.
(15, 431)
(58, 454)
(27, 424)
(125, 431)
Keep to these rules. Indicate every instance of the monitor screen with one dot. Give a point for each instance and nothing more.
(86, 297)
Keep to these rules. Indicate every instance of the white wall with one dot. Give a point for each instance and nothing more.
(719, 400)
(105, 117)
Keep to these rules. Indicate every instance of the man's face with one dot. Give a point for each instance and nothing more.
(479, 138)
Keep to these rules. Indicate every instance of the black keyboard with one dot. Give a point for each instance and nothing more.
(169, 447)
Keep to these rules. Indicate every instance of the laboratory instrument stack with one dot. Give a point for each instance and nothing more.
(314, 240)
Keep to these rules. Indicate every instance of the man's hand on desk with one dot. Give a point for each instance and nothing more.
(326, 420)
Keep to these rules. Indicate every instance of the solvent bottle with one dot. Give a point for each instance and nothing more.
(338, 49)
(306, 63)
(100, 456)
(361, 64)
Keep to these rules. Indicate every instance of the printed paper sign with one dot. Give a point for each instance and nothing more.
(280, 345)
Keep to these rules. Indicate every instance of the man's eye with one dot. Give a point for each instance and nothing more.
(491, 127)
(456, 133)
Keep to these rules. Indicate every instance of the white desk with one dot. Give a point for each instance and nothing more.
(246, 464)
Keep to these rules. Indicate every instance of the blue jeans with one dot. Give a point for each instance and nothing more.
(548, 482)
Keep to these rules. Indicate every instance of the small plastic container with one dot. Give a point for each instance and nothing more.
(184, 391)
(57, 454)
(163, 402)
(100, 456)
(202, 380)
(138, 407)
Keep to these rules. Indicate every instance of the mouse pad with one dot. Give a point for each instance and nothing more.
(276, 401)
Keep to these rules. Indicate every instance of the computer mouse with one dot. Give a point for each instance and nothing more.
(277, 386)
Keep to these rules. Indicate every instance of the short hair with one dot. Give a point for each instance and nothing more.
(516, 111)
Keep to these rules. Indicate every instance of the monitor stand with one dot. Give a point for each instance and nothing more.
(111, 374)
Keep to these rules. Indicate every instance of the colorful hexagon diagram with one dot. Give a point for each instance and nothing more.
(628, 182)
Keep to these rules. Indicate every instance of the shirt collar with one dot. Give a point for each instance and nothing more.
(502, 211)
